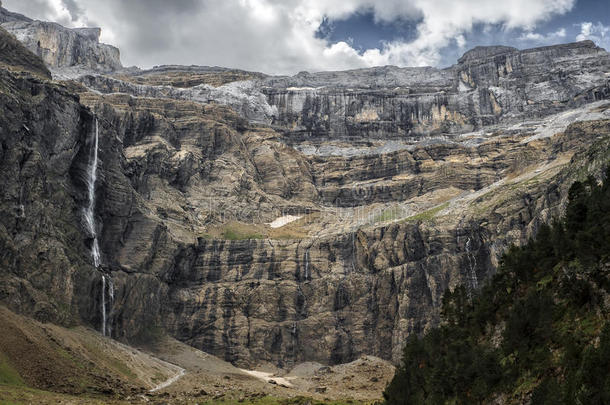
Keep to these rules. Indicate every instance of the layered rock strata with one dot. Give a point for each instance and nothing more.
(373, 233)
(60, 47)
(487, 86)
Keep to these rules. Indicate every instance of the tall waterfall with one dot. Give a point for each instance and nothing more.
(107, 286)
(90, 209)
(111, 301)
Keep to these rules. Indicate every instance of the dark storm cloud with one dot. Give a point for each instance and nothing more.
(75, 10)
(151, 27)
(37, 9)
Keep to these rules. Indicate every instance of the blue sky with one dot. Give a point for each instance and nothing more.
(362, 32)
(288, 36)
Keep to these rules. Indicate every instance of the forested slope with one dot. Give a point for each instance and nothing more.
(538, 332)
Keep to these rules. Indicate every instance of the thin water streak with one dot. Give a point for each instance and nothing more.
(103, 305)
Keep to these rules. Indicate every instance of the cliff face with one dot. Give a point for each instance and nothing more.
(191, 195)
(487, 86)
(14, 57)
(43, 130)
(343, 280)
(61, 47)
(331, 297)
(243, 96)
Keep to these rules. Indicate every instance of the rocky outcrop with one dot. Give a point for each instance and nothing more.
(242, 96)
(8, 16)
(15, 57)
(342, 288)
(487, 87)
(332, 298)
(187, 76)
(61, 47)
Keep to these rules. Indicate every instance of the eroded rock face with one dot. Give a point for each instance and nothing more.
(345, 287)
(43, 136)
(488, 85)
(342, 288)
(61, 47)
(186, 189)
(333, 298)
(243, 96)
(15, 57)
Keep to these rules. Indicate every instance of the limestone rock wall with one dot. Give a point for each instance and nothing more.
(486, 87)
(331, 289)
(329, 298)
(61, 47)
(16, 58)
(44, 264)
(244, 97)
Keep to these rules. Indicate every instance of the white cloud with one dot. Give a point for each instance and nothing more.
(279, 36)
(460, 41)
(549, 38)
(598, 33)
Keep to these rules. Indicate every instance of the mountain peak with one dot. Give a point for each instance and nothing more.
(482, 52)
(61, 47)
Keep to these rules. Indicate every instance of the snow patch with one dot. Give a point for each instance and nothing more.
(281, 221)
(304, 88)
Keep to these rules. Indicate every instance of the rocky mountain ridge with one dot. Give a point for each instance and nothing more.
(67, 51)
(400, 103)
(484, 88)
(487, 86)
(387, 193)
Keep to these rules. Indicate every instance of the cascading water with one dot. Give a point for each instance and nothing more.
(90, 209)
(111, 302)
(472, 264)
(103, 305)
(107, 284)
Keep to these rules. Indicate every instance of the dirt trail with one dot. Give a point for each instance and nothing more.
(170, 381)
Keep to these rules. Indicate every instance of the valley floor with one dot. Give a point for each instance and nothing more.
(21, 395)
(79, 366)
